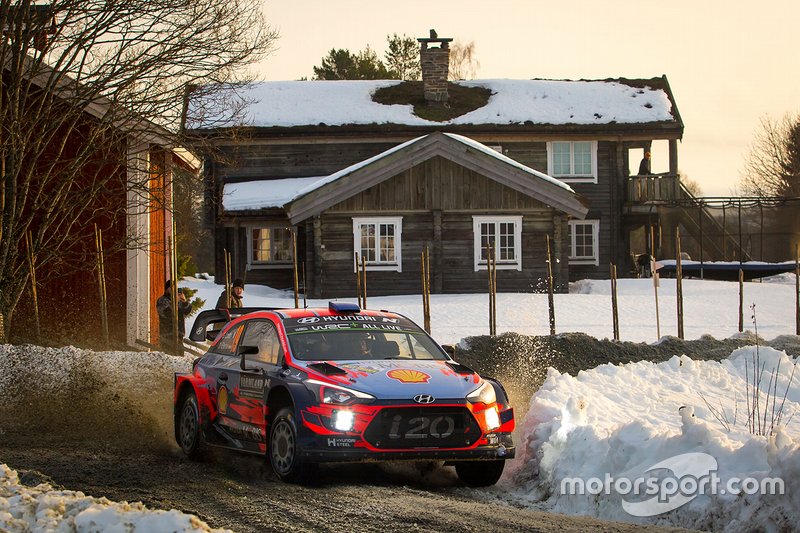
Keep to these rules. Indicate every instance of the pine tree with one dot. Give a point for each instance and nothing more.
(402, 57)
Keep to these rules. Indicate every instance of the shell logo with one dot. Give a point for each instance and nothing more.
(222, 400)
(404, 375)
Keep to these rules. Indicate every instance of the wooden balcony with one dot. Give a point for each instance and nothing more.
(654, 189)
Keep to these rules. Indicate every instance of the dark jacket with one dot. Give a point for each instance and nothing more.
(222, 302)
(165, 330)
(644, 167)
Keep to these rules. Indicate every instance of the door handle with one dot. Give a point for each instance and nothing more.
(223, 377)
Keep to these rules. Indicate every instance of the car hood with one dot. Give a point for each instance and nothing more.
(399, 380)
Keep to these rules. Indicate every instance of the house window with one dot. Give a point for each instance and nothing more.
(503, 235)
(378, 241)
(573, 161)
(270, 247)
(584, 242)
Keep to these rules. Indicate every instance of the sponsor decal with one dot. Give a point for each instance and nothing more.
(251, 386)
(359, 367)
(341, 442)
(308, 320)
(222, 400)
(405, 375)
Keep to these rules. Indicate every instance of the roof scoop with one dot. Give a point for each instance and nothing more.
(344, 308)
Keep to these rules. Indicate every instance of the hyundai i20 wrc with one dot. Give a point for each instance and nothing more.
(307, 386)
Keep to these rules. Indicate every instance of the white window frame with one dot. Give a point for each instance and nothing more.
(585, 260)
(572, 177)
(378, 265)
(480, 264)
(253, 265)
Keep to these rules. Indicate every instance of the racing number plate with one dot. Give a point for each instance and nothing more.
(422, 427)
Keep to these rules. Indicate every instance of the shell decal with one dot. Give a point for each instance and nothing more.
(405, 375)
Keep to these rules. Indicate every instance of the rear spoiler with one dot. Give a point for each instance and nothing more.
(219, 316)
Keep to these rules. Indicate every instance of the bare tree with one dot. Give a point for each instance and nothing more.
(464, 63)
(77, 76)
(772, 167)
(690, 185)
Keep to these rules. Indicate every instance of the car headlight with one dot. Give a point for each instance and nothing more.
(334, 394)
(343, 420)
(483, 394)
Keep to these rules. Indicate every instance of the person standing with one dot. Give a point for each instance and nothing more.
(237, 294)
(644, 166)
(166, 332)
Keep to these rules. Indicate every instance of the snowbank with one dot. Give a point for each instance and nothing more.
(710, 308)
(42, 508)
(625, 421)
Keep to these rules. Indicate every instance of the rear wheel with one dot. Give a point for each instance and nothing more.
(480, 473)
(189, 436)
(283, 450)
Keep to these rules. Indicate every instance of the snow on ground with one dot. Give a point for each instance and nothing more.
(42, 508)
(710, 307)
(612, 420)
(684, 419)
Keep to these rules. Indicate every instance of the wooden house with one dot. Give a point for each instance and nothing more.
(351, 173)
(134, 163)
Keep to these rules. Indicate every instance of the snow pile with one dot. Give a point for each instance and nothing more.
(124, 396)
(42, 508)
(635, 421)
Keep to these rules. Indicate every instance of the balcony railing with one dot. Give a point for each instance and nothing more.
(654, 188)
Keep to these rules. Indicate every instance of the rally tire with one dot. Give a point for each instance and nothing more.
(283, 451)
(190, 437)
(480, 473)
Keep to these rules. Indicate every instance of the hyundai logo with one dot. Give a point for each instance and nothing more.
(424, 398)
(308, 320)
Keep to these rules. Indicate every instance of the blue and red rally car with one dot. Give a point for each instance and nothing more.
(306, 386)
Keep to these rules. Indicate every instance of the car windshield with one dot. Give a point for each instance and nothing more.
(359, 344)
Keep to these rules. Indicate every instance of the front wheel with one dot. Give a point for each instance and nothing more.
(283, 450)
(189, 436)
(480, 473)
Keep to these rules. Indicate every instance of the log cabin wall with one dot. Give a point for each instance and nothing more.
(604, 198)
(434, 198)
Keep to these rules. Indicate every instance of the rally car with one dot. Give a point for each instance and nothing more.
(307, 386)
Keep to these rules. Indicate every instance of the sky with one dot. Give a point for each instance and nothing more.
(729, 63)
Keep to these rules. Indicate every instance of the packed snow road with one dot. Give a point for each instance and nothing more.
(240, 493)
(100, 423)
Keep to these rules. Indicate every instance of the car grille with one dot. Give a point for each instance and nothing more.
(422, 427)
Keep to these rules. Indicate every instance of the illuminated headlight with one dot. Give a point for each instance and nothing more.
(483, 394)
(343, 420)
(492, 418)
(334, 394)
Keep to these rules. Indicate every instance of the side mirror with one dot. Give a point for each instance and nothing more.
(244, 351)
(450, 349)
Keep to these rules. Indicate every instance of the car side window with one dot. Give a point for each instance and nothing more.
(263, 335)
(228, 341)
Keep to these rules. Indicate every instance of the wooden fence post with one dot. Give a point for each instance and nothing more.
(34, 294)
(305, 287)
(101, 280)
(679, 281)
(550, 300)
(364, 281)
(741, 300)
(614, 309)
(655, 291)
(358, 281)
(426, 288)
(797, 290)
(294, 270)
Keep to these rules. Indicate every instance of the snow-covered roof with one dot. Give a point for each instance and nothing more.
(270, 193)
(546, 102)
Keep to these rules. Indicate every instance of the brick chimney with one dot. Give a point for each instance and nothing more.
(435, 64)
